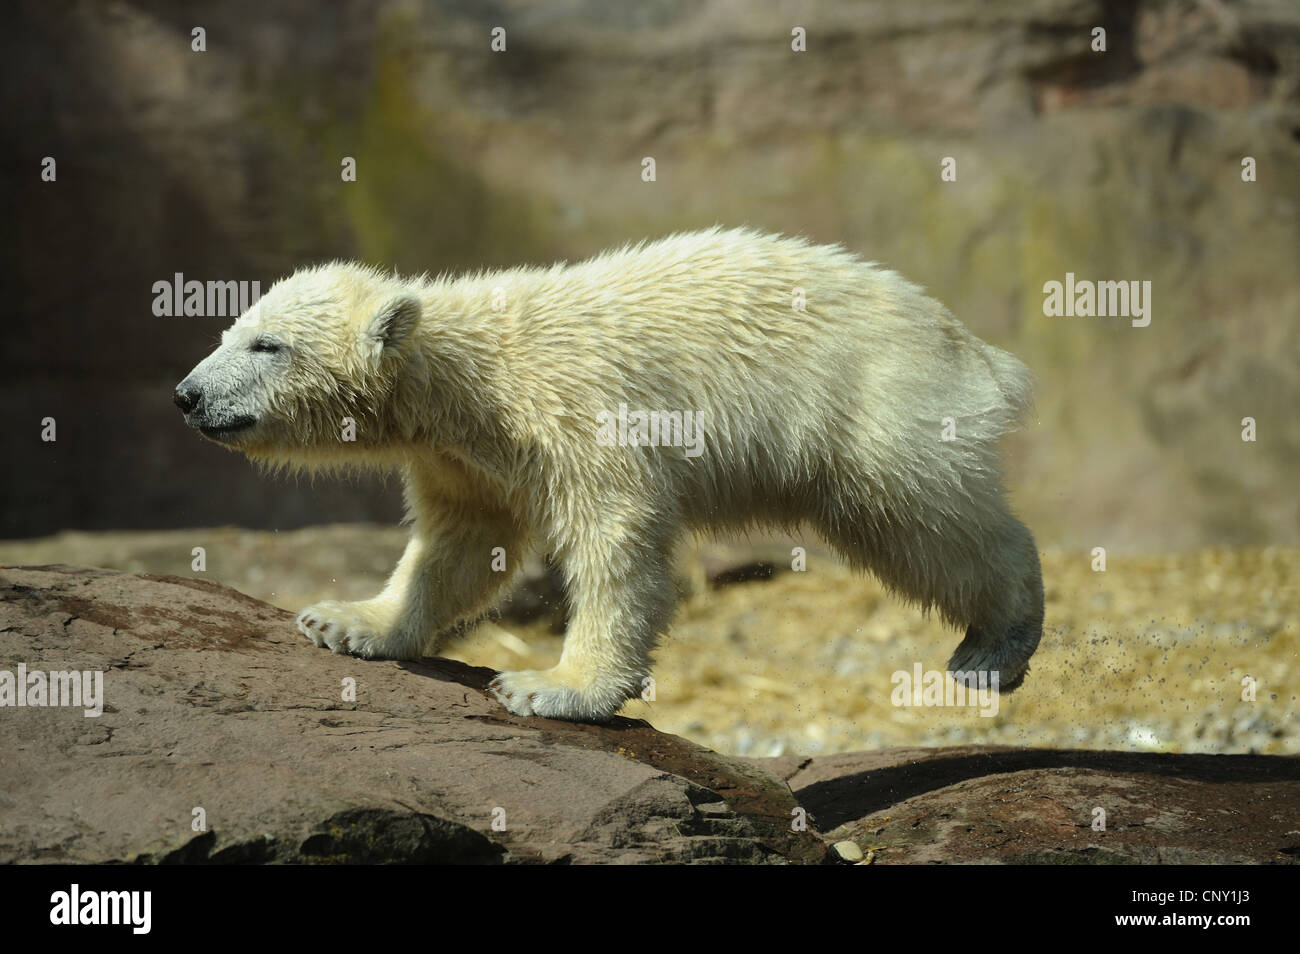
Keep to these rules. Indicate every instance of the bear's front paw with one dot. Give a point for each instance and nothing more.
(553, 695)
(349, 628)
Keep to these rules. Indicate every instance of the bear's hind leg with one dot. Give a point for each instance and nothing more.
(1007, 620)
(977, 564)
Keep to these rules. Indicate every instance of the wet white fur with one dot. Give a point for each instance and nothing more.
(831, 416)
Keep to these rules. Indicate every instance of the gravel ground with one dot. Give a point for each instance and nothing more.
(1149, 655)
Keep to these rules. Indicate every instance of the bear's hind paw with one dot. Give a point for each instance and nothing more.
(544, 693)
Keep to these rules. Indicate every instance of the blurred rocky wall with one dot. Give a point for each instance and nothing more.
(225, 165)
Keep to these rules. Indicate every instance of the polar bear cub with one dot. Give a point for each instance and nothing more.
(550, 408)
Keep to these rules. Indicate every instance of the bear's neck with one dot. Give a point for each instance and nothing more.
(460, 351)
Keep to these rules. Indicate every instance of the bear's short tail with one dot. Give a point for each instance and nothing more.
(1014, 381)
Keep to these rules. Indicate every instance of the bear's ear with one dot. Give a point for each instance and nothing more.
(391, 324)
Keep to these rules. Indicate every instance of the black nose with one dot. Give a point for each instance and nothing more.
(186, 396)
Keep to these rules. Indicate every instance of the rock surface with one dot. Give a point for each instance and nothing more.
(213, 702)
(976, 805)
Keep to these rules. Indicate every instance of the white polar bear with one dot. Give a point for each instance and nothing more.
(825, 389)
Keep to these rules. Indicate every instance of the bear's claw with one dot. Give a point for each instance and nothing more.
(341, 628)
(545, 693)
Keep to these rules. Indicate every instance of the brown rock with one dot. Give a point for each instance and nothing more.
(215, 702)
(975, 804)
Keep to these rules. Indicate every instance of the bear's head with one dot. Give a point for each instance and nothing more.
(306, 374)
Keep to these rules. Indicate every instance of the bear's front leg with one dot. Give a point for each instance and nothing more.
(382, 627)
(620, 602)
(444, 576)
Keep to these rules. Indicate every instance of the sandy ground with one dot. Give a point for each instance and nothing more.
(1157, 653)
